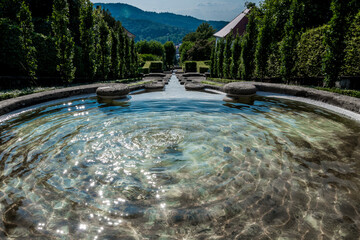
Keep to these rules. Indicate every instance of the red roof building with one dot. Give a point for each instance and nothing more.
(236, 26)
(129, 34)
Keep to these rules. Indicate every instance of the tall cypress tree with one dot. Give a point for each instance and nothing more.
(248, 48)
(235, 59)
(263, 45)
(29, 62)
(220, 65)
(87, 39)
(227, 56)
(213, 61)
(104, 49)
(127, 57)
(115, 64)
(293, 29)
(64, 42)
(121, 49)
(133, 58)
(335, 42)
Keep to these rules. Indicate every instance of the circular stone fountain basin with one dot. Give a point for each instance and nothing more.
(179, 164)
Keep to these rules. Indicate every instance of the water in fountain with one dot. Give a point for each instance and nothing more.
(179, 165)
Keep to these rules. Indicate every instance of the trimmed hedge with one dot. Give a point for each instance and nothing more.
(190, 66)
(202, 67)
(156, 67)
(311, 51)
(197, 66)
(351, 65)
(152, 67)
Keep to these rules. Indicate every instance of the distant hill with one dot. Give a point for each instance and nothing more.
(155, 26)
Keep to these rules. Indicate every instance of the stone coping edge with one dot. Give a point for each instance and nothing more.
(342, 101)
(14, 104)
(346, 102)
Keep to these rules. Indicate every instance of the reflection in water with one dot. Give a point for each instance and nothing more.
(176, 165)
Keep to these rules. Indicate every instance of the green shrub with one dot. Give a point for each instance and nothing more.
(202, 66)
(190, 67)
(310, 52)
(156, 66)
(10, 49)
(351, 65)
(351, 93)
(208, 62)
(274, 62)
(145, 70)
(203, 69)
(46, 55)
(152, 67)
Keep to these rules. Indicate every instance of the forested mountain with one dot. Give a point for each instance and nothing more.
(155, 26)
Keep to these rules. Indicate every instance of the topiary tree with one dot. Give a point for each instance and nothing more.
(63, 41)
(87, 39)
(29, 62)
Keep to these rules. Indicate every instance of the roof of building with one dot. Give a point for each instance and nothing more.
(129, 34)
(228, 28)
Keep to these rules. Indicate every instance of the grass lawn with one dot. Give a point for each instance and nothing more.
(212, 83)
(223, 80)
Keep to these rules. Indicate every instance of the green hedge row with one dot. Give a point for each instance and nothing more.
(152, 67)
(196, 66)
(190, 66)
(203, 67)
(351, 65)
(310, 52)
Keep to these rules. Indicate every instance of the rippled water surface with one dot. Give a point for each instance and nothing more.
(179, 165)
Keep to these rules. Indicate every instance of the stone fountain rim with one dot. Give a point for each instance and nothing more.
(345, 102)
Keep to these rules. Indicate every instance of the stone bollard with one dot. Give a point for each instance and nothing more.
(155, 86)
(115, 91)
(194, 86)
(239, 90)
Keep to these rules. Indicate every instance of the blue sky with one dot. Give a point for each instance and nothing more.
(203, 9)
